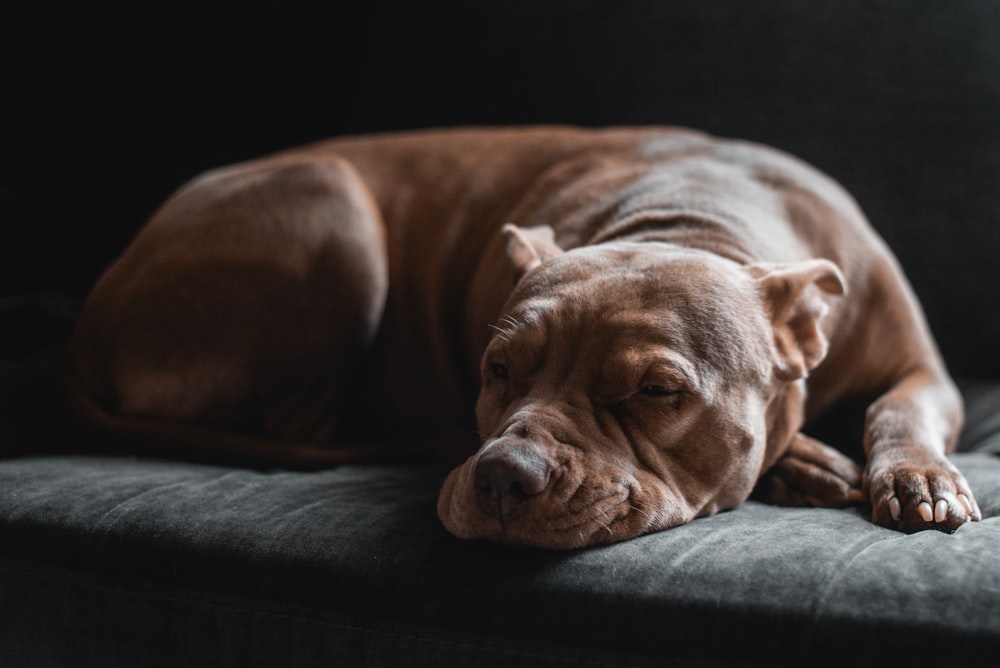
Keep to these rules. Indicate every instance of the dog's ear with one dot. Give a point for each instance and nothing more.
(793, 301)
(528, 247)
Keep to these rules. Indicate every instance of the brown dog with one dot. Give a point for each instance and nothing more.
(652, 315)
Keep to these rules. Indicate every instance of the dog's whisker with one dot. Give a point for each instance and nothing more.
(502, 333)
(640, 511)
(607, 524)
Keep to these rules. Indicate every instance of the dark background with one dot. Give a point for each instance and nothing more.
(109, 109)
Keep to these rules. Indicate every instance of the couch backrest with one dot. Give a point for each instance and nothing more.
(898, 99)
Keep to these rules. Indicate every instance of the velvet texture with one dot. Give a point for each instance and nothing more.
(117, 561)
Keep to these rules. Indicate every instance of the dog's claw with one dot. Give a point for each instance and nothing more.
(965, 503)
(940, 510)
(895, 509)
(925, 512)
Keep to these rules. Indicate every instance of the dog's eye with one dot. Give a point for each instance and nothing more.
(499, 371)
(657, 391)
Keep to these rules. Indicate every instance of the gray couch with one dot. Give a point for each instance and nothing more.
(107, 559)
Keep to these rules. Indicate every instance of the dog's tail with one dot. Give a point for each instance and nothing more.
(85, 419)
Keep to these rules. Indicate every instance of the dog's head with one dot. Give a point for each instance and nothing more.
(631, 387)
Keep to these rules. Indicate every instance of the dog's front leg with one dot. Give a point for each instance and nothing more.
(811, 473)
(910, 483)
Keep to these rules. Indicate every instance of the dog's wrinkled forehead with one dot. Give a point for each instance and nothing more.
(623, 294)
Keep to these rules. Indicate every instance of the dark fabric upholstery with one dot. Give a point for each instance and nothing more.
(170, 565)
(109, 560)
(183, 565)
(118, 561)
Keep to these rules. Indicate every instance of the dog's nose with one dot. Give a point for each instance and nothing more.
(510, 473)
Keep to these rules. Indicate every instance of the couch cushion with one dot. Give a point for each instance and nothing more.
(123, 561)
(982, 418)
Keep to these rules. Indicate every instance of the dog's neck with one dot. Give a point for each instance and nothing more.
(684, 229)
(785, 415)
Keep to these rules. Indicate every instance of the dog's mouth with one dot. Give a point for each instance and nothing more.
(540, 522)
(579, 505)
(599, 518)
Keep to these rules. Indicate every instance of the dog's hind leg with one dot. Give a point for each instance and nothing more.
(245, 305)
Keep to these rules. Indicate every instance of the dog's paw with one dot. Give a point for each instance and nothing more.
(811, 473)
(911, 489)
